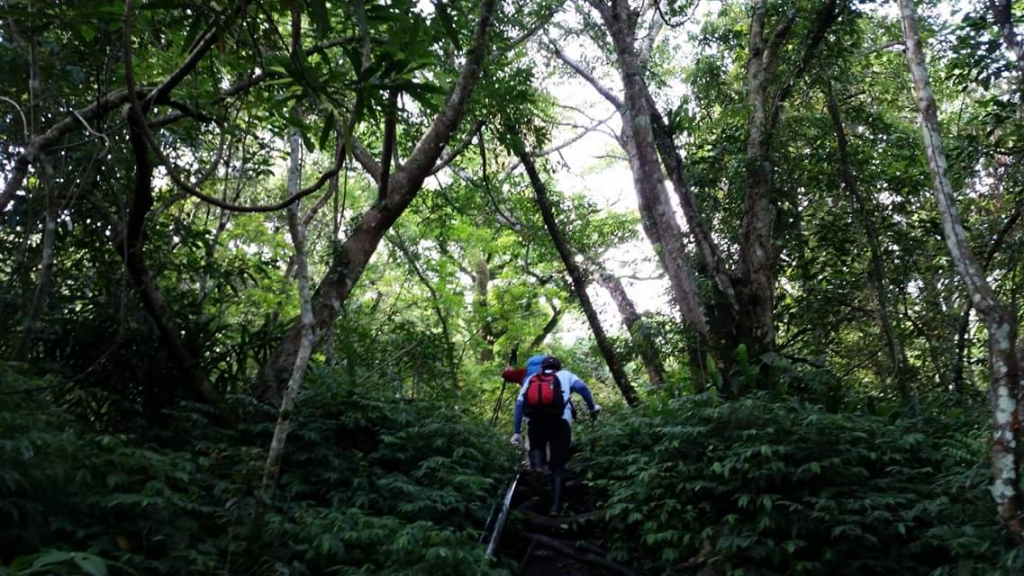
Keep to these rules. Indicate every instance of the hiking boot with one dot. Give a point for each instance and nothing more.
(557, 482)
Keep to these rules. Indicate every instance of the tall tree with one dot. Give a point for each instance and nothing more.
(901, 370)
(579, 283)
(743, 304)
(1004, 366)
(402, 185)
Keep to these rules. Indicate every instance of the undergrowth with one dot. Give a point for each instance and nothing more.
(761, 487)
(369, 485)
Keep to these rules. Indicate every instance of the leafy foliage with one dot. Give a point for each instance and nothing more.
(369, 486)
(763, 487)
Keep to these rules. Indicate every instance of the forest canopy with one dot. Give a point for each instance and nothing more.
(262, 264)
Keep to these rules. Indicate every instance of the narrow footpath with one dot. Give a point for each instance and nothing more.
(543, 545)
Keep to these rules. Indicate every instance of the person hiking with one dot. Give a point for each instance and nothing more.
(544, 399)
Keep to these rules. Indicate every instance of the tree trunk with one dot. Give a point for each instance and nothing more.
(350, 258)
(709, 251)
(45, 276)
(129, 241)
(656, 212)
(575, 274)
(756, 250)
(901, 372)
(481, 285)
(636, 326)
(999, 322)
(272, 468)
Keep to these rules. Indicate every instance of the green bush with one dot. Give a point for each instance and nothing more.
(369, 485)
(766, 487)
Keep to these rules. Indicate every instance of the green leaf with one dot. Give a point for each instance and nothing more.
(326, 130)
(51, 557)
(445, 16)
(91, 565)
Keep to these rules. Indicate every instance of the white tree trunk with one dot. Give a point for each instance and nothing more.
(999, 322)
(298, 233)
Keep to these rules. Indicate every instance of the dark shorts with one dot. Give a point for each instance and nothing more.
(557, 433)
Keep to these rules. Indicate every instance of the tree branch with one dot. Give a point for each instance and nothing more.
(579, 283)
(823, 20)
(590, 78)
(452, 153)
(557, 147)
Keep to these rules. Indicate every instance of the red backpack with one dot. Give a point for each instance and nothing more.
(543, 398)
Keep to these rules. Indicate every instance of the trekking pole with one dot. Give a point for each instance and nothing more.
(501, 396)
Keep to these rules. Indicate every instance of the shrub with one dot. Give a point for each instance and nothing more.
(768, 487)
(369, 486)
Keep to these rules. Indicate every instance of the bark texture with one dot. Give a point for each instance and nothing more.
(756, 256)
(999, 322)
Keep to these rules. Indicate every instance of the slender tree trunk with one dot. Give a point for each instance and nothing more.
(272, 469)
(352, 255)
(435, 303)
(999, 322)
(481, 286)
(900, 364)
(130, 239)
(549, 327)
(636, 326)
(710, 254)
(575, 274)
(297, 229)
(45, 275)
(129, 242)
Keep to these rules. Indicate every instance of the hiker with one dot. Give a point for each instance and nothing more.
(544, 400)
